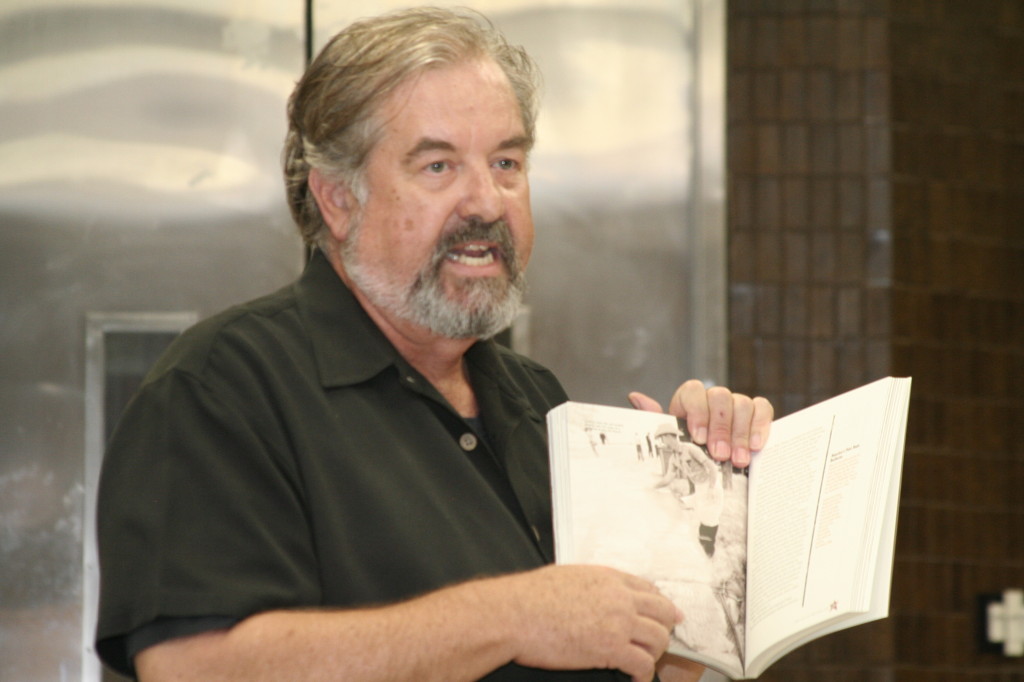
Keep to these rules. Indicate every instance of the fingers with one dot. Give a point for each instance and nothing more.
(742, 413)
(690, 402)
(731, 425)
(761, 422)
(655, 616)
(649, 642)
(652, 605)
(642, 402)
(654, 635)
(721, 408)
(651, 634)
(592, 617)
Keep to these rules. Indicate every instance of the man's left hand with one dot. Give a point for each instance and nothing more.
(732, 425)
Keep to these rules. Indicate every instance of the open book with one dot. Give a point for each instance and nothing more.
(760, 560)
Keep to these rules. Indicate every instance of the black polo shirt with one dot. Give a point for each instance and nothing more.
(283, 455)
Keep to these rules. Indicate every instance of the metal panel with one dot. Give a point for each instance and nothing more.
(139, 147)
(120, 348)
(139, 151)
(627, 281)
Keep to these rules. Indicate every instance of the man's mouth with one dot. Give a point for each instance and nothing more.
(473, 254)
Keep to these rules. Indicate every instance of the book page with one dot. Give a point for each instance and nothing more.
(631, 492)
(885, 503)
(811, 531)
(788, 473)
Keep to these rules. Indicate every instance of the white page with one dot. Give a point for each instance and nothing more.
(878, 563)
(817, 470)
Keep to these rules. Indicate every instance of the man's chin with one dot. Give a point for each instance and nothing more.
(476, 311)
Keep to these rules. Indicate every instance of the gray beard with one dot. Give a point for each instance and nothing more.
(478, 308)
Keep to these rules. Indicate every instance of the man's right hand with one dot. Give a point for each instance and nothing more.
(583, 617)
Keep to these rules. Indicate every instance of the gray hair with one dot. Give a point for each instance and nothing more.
(332, 122)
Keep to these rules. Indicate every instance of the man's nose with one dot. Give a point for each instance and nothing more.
(482, 196)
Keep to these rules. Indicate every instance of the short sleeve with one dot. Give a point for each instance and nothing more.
(200, 512)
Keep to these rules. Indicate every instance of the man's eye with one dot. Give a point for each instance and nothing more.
(508, 164)
(437, 167)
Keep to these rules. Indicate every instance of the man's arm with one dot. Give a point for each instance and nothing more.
(556, 617)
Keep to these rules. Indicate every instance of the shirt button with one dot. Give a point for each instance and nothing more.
(468, 442)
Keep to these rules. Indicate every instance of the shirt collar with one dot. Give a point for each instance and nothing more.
(487, 367)
(348, 346)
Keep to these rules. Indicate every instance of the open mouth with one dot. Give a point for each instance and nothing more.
(473, 254)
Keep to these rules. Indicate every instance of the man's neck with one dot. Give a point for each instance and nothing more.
(441, 360)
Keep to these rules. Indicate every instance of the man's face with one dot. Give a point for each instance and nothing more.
(446, 229)
(669, 441)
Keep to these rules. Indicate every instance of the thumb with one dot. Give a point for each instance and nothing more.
(642, 402)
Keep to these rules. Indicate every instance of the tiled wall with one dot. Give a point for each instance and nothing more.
(809, 218)
(876, 218)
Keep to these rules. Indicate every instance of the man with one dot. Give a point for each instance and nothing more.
(708, 495)
(345, 479)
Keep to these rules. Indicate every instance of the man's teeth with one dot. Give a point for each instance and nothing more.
(472, 255)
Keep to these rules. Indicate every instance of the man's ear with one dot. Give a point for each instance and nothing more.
(336, 203)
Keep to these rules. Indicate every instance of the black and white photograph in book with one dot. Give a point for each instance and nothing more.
(641, 477)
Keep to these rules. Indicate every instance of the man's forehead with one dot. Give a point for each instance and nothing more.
(454, 90)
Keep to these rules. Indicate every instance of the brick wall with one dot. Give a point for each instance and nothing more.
(876, 224)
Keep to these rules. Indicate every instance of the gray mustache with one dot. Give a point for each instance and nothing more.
(475, 229)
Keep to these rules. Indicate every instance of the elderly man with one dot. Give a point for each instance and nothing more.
(347, 479)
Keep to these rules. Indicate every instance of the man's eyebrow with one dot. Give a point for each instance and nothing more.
(430, 144)
(524, 142)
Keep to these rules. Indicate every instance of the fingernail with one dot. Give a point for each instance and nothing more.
(722, 451)
(634, 402)
(701, 437)
(755, 442)
(742, 457)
